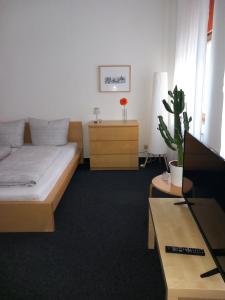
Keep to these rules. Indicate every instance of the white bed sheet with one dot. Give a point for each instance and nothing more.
(41, 190)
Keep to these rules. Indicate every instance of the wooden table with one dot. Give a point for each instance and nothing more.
(165, 186)
(175, 226)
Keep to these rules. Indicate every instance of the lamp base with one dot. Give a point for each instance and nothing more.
(97, 121)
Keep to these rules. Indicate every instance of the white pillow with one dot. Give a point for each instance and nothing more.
(45, 132)
(12, 133)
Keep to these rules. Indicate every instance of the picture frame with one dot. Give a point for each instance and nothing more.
(115, 78)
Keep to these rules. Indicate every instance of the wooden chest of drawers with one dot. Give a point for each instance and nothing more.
(113, 145)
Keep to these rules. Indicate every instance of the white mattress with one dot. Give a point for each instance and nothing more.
(44, 186)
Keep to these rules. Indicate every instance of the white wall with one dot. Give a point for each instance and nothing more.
(50, 50)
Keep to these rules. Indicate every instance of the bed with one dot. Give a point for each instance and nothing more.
(32, 215)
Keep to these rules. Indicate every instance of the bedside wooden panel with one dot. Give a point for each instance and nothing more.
(113, 145)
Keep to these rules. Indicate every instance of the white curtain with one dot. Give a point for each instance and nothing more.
(190, 56)
(214, 134)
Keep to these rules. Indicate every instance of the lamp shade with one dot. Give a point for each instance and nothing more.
(156, 144)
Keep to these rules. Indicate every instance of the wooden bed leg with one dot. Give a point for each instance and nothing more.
(151, 232)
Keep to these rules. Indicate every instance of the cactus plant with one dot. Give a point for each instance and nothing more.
(175, 107)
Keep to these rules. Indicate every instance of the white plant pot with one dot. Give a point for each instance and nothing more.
(176, 173)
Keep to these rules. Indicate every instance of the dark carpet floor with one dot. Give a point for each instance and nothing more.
(99, 249)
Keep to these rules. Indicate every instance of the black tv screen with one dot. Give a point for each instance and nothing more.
(206, 200)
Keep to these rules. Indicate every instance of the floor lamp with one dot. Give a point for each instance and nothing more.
(156, 144)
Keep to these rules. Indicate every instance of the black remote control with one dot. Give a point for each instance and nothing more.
(185, 250)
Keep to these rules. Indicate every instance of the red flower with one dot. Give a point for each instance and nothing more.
(123, 101)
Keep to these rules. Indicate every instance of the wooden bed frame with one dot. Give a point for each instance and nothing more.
(38, 216)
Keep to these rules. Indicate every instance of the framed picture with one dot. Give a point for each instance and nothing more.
(114, 78)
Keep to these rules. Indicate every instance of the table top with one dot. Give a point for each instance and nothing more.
(175, 226)
(165, 186)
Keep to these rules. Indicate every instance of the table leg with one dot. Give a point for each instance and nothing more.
(151, 232)
(170, 296)
(150, 190)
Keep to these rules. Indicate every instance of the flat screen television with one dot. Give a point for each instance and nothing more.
(206, 200)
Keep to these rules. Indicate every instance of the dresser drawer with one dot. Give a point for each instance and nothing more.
(113, 147)
(113, 133)
(113, 162)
